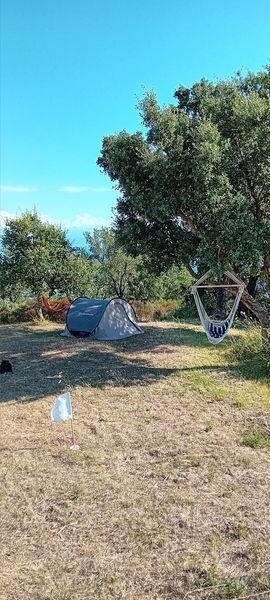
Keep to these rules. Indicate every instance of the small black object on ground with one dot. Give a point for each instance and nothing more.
(6, 367)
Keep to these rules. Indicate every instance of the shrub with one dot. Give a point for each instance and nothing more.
(14, 312)
(250, 352)
(56, 317)
(153, 311)
(25, 311)
(186, 311)
(247, 346)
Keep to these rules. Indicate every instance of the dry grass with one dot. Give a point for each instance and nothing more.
(163, 501)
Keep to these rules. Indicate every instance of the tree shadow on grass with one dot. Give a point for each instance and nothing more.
(252, 370)
(243, 370)
(46, 364)
(180, 335)
(158, 337)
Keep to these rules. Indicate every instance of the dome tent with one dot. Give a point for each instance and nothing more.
(101, 319)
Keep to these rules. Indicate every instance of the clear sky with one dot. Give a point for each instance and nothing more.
(73, 71)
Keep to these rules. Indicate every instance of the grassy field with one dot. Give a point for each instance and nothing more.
(169, 495)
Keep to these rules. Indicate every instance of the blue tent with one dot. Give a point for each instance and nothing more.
(101, 319)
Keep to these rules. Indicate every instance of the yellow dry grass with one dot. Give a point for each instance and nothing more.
(163, 501)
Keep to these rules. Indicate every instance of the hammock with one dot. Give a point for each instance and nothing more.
(55, 306)
(217, 330)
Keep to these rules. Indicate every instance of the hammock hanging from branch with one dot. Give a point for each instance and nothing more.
(217, 330)
(55, 306)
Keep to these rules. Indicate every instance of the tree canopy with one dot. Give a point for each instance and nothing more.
(195, 188)
(37, 256)
(117, 270)
(119, 274)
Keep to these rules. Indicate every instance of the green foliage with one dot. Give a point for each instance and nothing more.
(101, 244)
(247, 346)
(115, 270)
(11, 289)
(32, 254)
(169, 285)
(119, 274)
(195, 188)
(79, 276)
(38, 257)
(254, 438)
(186, 311)
(13, 312)
(250, 352)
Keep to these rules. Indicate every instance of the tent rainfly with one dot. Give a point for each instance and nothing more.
(101, 319)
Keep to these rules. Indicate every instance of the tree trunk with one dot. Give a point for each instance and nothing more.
(39, 311)
(256, 308)
(221, 301)
(260, 312)
(251, 288)
(267, 270)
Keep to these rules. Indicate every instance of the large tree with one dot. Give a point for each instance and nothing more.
(117, 271)
(37, 257)
(195, 189)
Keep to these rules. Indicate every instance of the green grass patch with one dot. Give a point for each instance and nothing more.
(223, 588)
(242, 401)
(205, 384)
(250, 354)
(76, 492)
(240, 531)
(254, 438)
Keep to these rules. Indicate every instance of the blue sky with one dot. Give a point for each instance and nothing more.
(73, 72)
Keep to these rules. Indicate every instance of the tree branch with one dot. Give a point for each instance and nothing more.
(267, 269)
(193, 227)
(255, 307)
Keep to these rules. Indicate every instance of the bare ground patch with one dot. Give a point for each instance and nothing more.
(163, 499)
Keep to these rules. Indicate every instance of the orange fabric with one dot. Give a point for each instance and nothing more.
(55, 306)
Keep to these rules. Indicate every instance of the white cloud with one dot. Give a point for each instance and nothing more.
(86, 220)
(79, 221)
(100, 190)
(81, 189)
(17, 189)
(67, 189)
(47, 219)
(74, 189)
